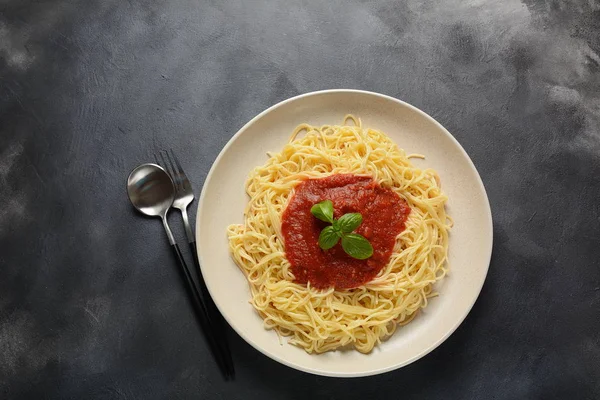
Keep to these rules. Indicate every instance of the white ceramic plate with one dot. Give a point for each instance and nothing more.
(223, 200)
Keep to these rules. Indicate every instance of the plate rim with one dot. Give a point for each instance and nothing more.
(376, 371)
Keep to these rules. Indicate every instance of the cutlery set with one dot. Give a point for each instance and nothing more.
(153, 190)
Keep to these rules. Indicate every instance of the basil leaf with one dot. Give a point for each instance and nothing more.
(336, 226)
(357, 246)
(328, 238)
(349, 222)
(323, 211)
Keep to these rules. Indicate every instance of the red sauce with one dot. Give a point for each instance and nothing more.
(384, 214)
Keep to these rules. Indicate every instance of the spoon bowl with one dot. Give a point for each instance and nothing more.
(151, 190)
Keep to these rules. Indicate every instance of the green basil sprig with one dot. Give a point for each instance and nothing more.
(355, 245)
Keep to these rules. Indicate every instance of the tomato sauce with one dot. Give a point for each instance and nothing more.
(384, 215)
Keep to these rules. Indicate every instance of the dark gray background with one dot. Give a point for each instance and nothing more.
(91, 304)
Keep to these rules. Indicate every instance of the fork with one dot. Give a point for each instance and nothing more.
(184, 195)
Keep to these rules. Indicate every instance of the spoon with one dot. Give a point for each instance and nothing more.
(151, 191)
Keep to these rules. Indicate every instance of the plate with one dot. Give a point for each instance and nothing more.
(223, 200)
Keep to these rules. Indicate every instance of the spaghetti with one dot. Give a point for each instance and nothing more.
(319, 320)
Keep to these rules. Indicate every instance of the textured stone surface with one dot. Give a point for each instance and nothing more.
(91, 305)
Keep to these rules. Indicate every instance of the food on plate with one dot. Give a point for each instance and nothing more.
(343, 238)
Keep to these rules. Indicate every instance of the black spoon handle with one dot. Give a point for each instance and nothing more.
(214, 315)
(210, 331)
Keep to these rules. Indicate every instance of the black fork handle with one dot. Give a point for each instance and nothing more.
(210, 330)
(213, 313)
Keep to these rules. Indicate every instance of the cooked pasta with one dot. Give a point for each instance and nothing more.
(320, 320)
